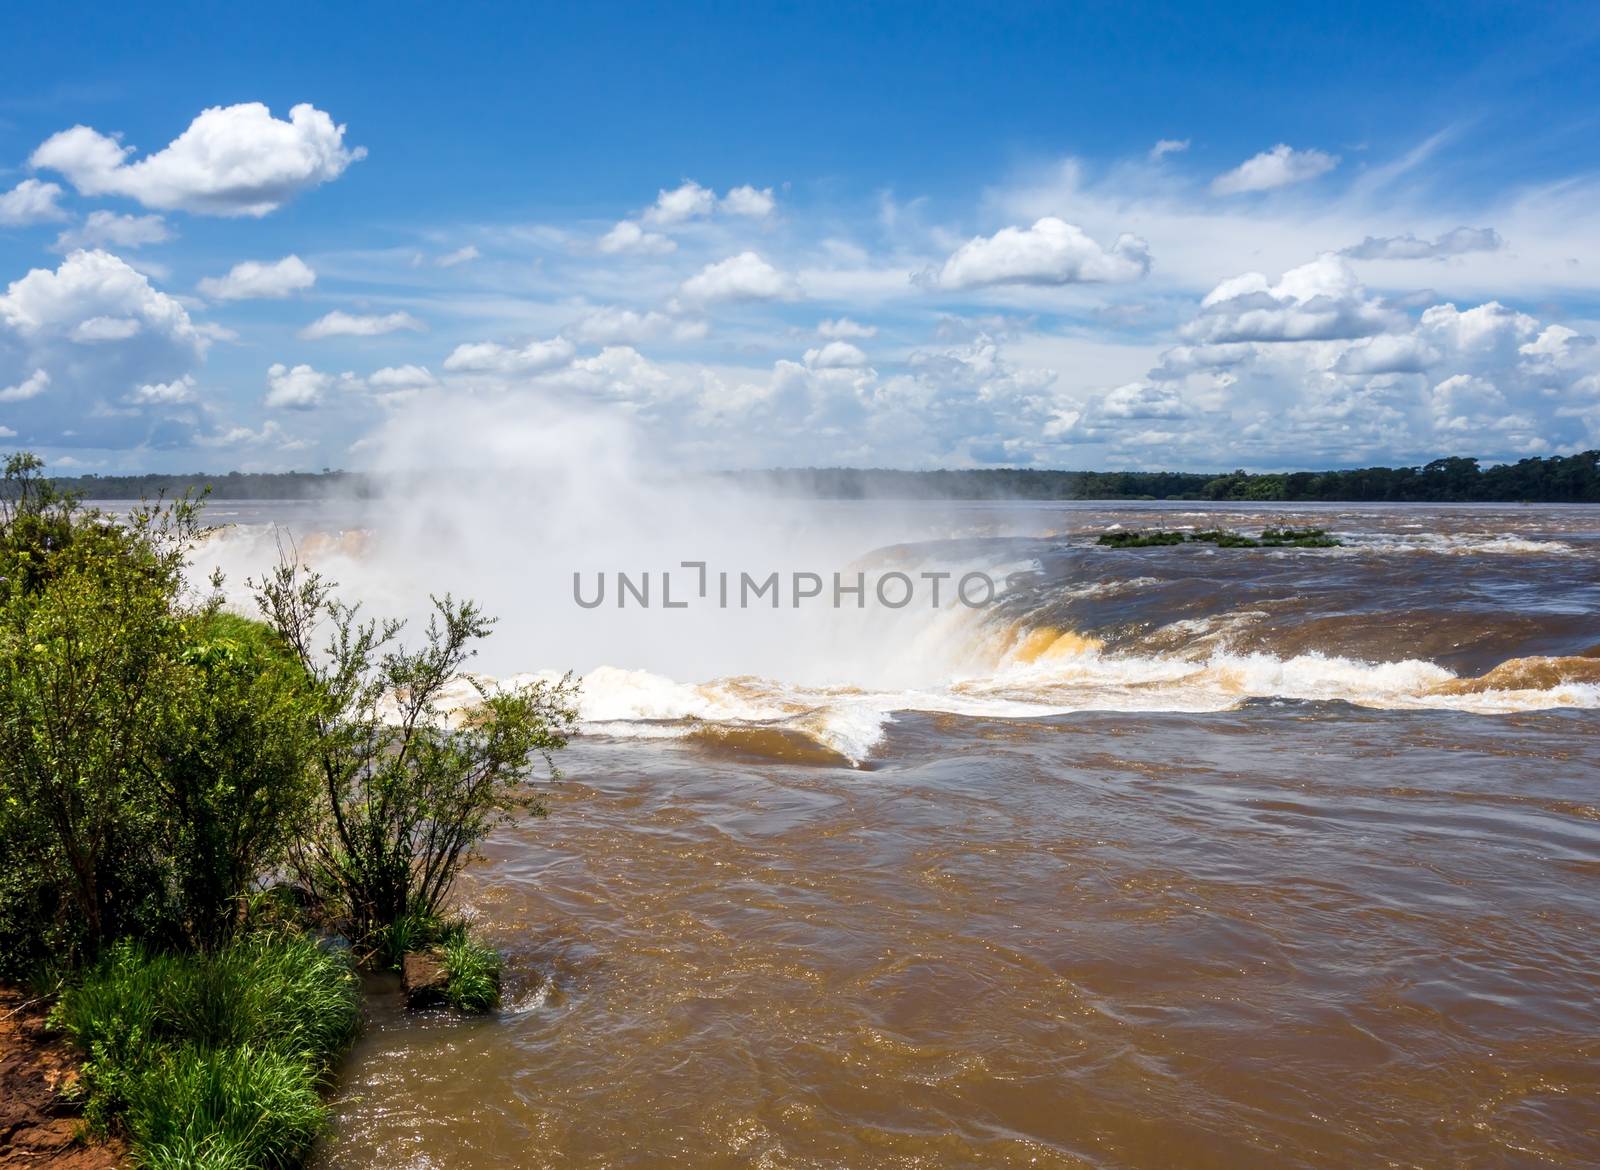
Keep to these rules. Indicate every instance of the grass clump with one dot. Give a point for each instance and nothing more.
(213, 1060)
(474, 972)
(224, 1109)
(1279, 537)
(472, 969)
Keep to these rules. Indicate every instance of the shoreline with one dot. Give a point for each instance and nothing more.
(39, 1127)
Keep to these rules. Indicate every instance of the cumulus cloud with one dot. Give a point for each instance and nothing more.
(296, 387)
(105, 329)
(843, 328)
(749, 202)
(611, 325)
(1141, 400)
(32, 386)
(1319, 301)
(1408, 247)
(232, 160)
(683, 203)
(253, 279)
(461, 255)
(79, 337)
(401, 378)
(1051, 252)
(1166, 146)
(177, 391)
(341, 324)
(1281, 166)
(30, 202)
(745, 277)
(108, 228)
(1322, 370)
(677, 207)
(489, 357)
(628, 238)
(836, 355)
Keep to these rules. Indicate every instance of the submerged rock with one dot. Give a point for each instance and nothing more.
(424, 978)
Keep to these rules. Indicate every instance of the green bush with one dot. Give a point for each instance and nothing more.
(152, 751)
(405, 796)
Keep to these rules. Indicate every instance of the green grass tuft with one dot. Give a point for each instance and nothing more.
(474, 972)
(213, 1060)
(217, 1109)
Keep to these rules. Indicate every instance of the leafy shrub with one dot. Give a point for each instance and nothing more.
(151, 751)
(405, 795)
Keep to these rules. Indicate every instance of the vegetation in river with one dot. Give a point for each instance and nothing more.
(164, 765)
(1279, 537)
(473, 970)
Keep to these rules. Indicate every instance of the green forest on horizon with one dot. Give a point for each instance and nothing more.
(1458, 479)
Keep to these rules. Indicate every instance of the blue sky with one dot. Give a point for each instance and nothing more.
(1191, 236)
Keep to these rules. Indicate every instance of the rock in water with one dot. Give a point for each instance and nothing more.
(423, 977)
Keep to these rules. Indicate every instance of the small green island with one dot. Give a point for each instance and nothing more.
(1221, 538)
(214, 827)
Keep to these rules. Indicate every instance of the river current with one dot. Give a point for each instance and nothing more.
(1172, 857)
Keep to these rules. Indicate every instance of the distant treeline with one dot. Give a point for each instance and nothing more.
(1557, 479)
(232, 485)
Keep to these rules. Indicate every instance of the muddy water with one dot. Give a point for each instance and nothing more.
(1176, 857)
(1293, 935)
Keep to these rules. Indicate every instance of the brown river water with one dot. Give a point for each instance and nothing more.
(1172, 858)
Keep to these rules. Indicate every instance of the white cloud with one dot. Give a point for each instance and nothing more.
(110, 228)
(749, 202)
(401, 378)
(253, 279)
(1279, 167)
(1141, 400)
(489, 357)
(461, 255)
(179, 390)
(1324, 371)
(628, 238)
(690, 201)
(1166, 146)
(1319, 301)
(105, 329)
(232, 160)
(296, 388)
(836, 355)
(30, 202)
(1051, 252)
(341, 324)
(845, 329)
(1387, 353)
(32, 386)
(100, 329)
(1457, 242)
(611, 325)
(745, 277)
